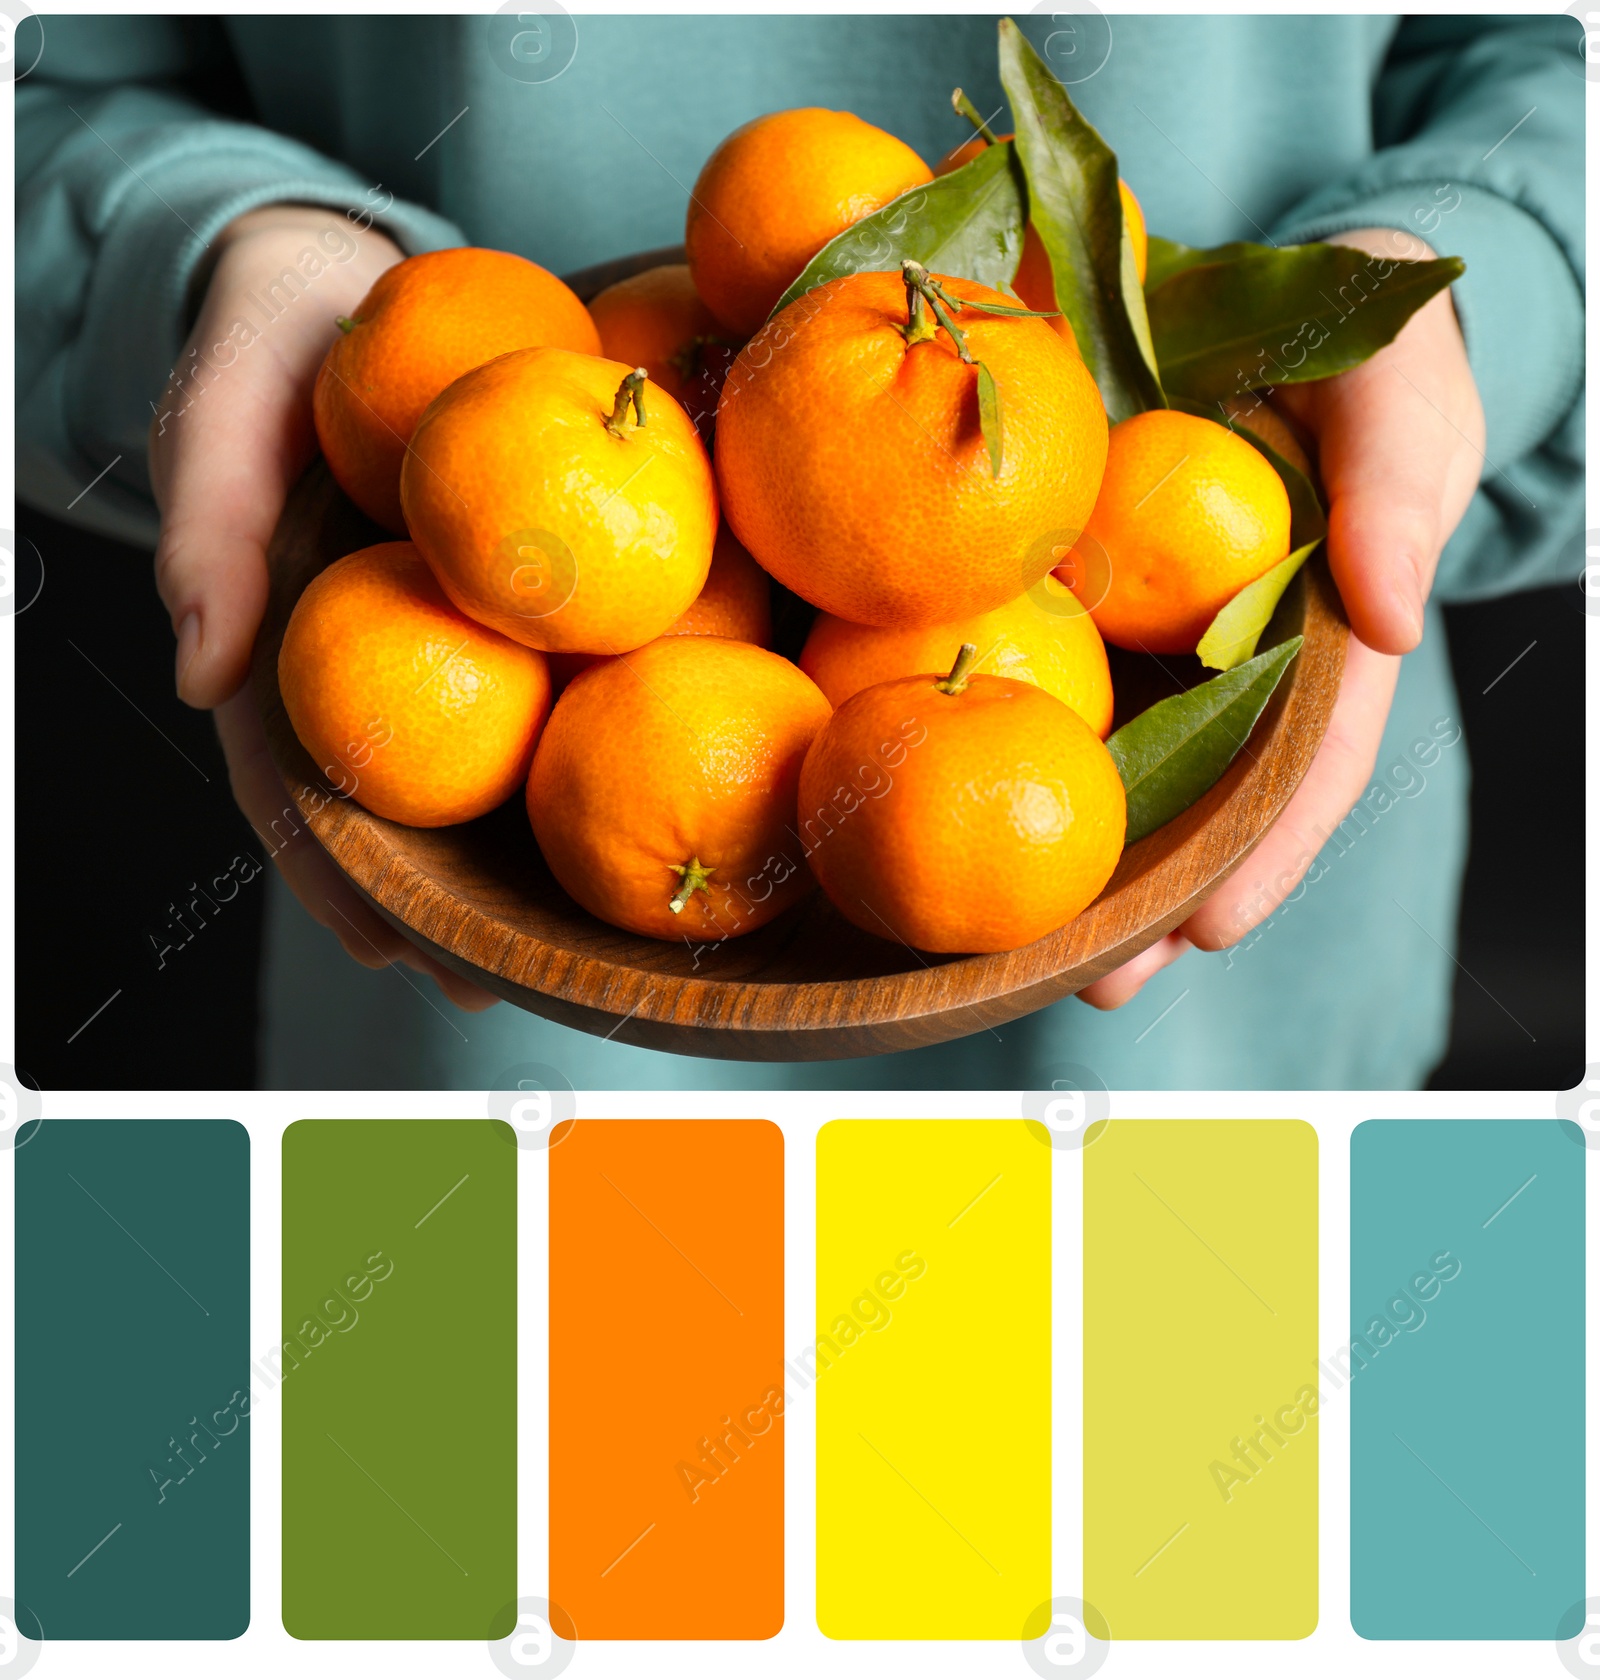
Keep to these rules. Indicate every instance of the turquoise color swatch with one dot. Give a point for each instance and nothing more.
(1465, 1365)
(133, 1380)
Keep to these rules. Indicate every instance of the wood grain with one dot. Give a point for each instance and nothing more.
(809, 986)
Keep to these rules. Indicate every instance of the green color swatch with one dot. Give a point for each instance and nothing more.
(133, 1380)
(1465, 1365)
(399, 1379)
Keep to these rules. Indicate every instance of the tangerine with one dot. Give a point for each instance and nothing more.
(774, 193)
(964, 813)
(425, 322)
(1044, 637)
(563, 500)
(853, 462)
(656, 320)
(1188, 514)
(430, 717)
(663, 792)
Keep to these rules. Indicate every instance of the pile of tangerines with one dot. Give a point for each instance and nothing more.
(596, 501)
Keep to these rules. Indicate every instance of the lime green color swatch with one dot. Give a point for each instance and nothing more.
(1200, 1380)
(399, 1379)
(932, 1372)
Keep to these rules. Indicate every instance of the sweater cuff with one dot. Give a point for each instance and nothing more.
(1519, 304)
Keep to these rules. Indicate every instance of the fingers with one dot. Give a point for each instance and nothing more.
(1338, 776)
(211, 562)
(311, 875)
(1121, 984)
(233, 431)
(228, 440)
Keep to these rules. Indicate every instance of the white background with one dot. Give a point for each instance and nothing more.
(266, 1650)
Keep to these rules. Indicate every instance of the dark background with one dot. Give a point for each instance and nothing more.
(123, 804)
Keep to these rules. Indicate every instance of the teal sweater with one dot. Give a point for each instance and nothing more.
(1465, 131)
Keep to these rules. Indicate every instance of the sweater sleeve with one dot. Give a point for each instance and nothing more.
(1479, 128)
(121, 188)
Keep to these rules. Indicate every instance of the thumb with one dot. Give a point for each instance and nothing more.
(1385, 476)
(1400, 440)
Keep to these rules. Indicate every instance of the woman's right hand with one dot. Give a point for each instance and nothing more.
(230, 436)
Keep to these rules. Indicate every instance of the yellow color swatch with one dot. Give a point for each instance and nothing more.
(933, 1379)
(1200, 1383)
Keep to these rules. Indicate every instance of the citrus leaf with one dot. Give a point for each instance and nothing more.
(1076, 210)
(989, 418)
(1308, 520)
(967, 224)
(1006, 309)
(1167, 257)
(1233, 633)
(1172, 753)
(1278, 317)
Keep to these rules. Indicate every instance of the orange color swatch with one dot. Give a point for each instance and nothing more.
(666, 1379)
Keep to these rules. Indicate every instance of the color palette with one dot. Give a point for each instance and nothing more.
(932, 1372)
(399, 1379)
(133, 1380)
(1200, 1384)
(672, 1381)
(666, 1379)
(1465, 1364)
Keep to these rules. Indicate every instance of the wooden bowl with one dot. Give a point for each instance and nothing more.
(808, 986)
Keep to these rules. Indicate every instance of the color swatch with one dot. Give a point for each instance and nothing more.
(932, 1373)
(1200, 1385)
(666, 1379)
(1465, 1365)
(133, 1384)
(399, 1379)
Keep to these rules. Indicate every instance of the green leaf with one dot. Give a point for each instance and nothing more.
(1172, 753)
(1167, 257)
(1278, 317)
(1234, 632)
(989, 418)
(967, 224)
(1077, 212)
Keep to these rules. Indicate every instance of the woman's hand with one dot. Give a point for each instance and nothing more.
(230, 436)
(1400, 449)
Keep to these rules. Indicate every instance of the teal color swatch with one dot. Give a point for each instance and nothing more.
(1465, 1366)
(133, 1380)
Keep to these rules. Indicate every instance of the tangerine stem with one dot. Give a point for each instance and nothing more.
(965, 108)
(923, 290)
(918, 328)
(956, 682)
(695, 877)
(630, 391)
(344, 323)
